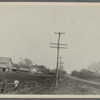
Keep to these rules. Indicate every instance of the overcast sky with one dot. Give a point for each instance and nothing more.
(27, 30)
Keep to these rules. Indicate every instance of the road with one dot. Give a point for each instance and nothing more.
(90, 83)
(75, 86)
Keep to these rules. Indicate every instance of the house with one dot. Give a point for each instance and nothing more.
(33, 70)
(37, 69)
(22, 69)
(5, 64)
(16, 67)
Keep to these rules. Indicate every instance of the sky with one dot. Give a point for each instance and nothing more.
(26, 31)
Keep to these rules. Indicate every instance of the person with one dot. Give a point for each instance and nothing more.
(4, 86)
(16, 82)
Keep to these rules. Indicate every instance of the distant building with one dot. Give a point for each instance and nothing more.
(36, 68)
(16, 67)
(5, 64)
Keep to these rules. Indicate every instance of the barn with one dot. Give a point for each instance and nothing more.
(5, 64)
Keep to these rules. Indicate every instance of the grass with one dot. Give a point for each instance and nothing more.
(38, 79)
(65, 87)
(73, 87)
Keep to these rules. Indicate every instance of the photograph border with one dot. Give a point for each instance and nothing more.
(51, 97)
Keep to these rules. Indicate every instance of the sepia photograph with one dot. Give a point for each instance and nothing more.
(49, 49)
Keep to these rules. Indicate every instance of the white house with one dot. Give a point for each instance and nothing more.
(5, 64)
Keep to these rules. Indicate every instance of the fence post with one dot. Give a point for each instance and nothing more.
(4, 86)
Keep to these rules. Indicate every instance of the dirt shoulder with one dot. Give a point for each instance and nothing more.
(70, 86)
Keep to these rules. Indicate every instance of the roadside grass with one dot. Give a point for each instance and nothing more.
(65, 87)
(71, 87)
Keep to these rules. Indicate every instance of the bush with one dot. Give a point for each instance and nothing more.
(84, 74)
(75, 73)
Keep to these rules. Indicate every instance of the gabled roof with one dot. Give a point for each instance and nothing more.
(5, 59)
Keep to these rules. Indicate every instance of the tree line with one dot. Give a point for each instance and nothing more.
(91, 72)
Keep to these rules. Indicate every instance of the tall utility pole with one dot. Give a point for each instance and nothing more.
(58, 46)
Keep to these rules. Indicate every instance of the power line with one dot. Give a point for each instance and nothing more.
(58, 46)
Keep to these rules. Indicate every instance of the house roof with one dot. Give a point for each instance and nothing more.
(5, 59)
(23, 69)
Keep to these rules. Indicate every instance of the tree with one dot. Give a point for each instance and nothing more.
(95, 68)
(46, 71)
(53, 71)
(86, 74)
(27, 63)
(75, 73)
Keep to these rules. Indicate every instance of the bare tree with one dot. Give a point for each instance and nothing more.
(95, 67)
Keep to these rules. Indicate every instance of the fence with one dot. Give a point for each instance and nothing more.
(5, 86)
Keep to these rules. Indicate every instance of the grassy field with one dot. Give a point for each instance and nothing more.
(66, 87)
(22, 77)
(38, 80)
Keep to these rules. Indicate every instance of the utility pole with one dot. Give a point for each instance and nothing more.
(58, 46)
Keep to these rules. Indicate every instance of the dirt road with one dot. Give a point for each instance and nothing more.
(75, 86)
(90, 83)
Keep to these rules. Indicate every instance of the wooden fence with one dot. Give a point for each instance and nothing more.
(7, 87)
